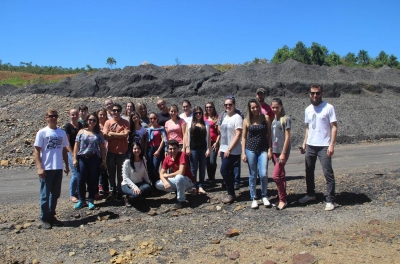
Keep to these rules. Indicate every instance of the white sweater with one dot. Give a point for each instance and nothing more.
(130, 177)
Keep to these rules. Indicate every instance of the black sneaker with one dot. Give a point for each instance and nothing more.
(179, 205)
(45, 224)
(55, 222)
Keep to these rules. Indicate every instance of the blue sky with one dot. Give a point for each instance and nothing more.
(76, 33)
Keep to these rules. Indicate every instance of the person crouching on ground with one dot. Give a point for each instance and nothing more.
(180, 178)
(135, 180)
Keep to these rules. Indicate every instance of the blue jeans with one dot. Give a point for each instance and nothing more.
(179, 183)
(73, 183)
(153, 163)
(198, 161)
(114, 167)
(144, 190)
(257, 160)
(88, 173)
(212, 163)
(312, 152)
(50, 190)
(228, 167)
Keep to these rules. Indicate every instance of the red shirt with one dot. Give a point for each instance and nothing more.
(180, 159)
(267, 110)
(213, 128)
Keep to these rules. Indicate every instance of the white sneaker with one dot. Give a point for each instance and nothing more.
(265, 201)
(254, 204)
(329, 206)
(306, 199)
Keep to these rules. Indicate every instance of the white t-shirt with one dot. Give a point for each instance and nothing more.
(319, 119)
(187, 119)
(228, 131)
(52, 143)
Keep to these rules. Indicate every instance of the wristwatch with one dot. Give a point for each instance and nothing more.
(229, 149)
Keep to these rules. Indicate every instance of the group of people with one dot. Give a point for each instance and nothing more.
(118, 154)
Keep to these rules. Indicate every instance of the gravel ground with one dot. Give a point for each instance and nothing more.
(364, 228)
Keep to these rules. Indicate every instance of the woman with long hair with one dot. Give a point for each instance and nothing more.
(135, 180)
(211, 117)
(187, 114)
(255, 149)
(198, 146)
(176, 127)
(156, 147)
(137, 133)
(102, 114)
(230, 148)
(89, 155)
(103, 187)
(143, 114)
(281, 126)
(129, 109)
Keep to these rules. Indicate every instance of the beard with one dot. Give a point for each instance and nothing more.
(316, 102)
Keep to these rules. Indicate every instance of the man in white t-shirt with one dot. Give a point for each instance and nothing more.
(319, 141)
(51, 145)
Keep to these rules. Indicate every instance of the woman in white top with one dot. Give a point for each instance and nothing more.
(135, 180)
(187, 114)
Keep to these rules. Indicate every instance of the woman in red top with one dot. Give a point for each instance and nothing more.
(211, 117)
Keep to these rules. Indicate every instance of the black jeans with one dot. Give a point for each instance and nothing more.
(114, 167)
(312, 152)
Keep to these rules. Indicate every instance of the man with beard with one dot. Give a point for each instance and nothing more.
(319, 140)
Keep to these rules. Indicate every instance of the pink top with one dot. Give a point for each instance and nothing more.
(174, 131)
(267, 110)
(156, 141)
(213, 128)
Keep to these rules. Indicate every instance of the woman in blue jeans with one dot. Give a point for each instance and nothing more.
(256, 149)
(89, 155)
(135, 180)
(156, 139)
(198, 146)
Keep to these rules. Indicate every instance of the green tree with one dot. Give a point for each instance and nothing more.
(281, 55)
(111, 61)
(318, 54)
(363, 58)
(333, 59)
(300, 53)
(393, 61)
(350, 59)
(383, 58)
(88, 67)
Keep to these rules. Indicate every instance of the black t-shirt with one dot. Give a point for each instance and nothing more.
(162, 118)
(72, 132)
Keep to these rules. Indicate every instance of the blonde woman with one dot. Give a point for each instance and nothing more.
(256, 149)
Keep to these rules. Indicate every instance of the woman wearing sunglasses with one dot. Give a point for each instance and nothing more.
(89, 155)
(230, 149)
(198, 146)
(211, 117)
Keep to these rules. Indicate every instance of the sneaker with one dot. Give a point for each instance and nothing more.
(55, 222)
(111, 197)
(79, 205)
(329, 206)
(91, 206)
(254, 204)
(127, 203)
(265, 201)
(100, 189)
(45, 224)
(179, 205)
(306, 199)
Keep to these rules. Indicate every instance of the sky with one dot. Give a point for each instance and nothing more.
(76, 33)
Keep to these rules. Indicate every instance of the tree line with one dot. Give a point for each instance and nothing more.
(318, 54)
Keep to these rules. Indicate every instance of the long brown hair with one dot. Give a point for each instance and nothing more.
(214, 115)
(198, 121)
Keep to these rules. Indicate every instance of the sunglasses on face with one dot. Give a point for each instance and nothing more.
(315, 93)
(52, 116)
(208, 107)
(92, 120)
(226, 105)
(116, 110)
(198, 113)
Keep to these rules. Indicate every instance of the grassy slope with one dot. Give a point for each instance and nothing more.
(20, 79)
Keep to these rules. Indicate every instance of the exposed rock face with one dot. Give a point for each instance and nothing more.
(285, 80)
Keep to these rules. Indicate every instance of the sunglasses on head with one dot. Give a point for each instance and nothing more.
(116, 110)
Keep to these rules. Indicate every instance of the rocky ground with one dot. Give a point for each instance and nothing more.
(364, 228)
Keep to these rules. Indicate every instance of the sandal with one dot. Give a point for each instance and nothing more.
(201, 191)
(73, 199)
(281, 207)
